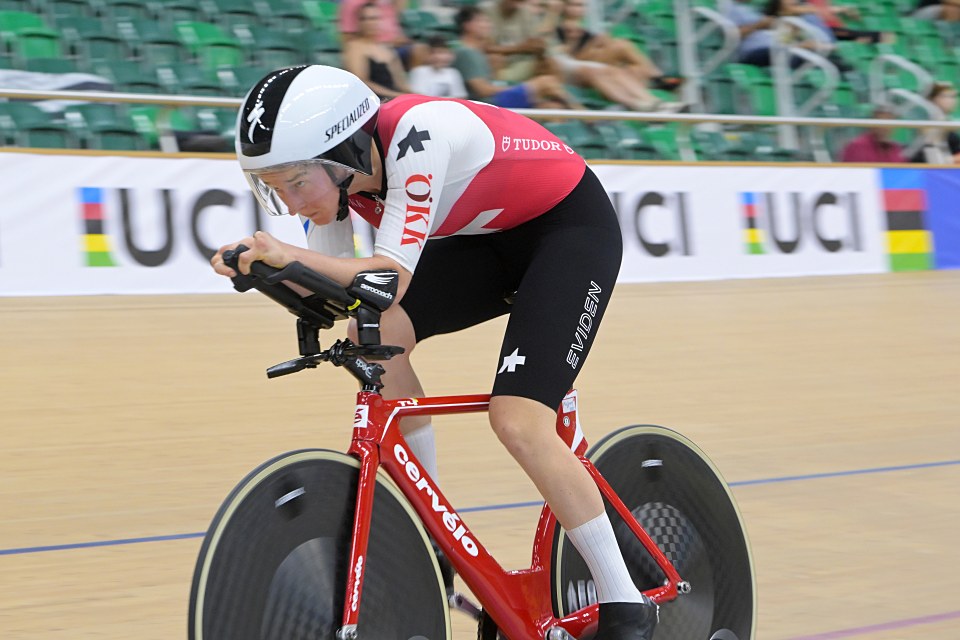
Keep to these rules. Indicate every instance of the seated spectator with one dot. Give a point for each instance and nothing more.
(438, 78)
(940, 145)
(544, 91)
(377, 64)
(874, 145)
(833, 17)
(618, 71)
(517, 46)
(757, 33)
(823, 43)
(390, 32)
(582, 44)
(949, 10)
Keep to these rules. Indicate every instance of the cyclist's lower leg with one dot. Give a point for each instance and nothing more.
(528, 430)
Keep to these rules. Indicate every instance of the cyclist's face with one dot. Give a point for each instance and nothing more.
(307, 190)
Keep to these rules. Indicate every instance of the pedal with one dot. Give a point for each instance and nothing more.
(463, 604)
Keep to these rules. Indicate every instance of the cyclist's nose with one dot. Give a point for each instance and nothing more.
(294, 204)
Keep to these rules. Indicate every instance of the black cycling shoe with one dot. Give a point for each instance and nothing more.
(446, 569)
(627, 620)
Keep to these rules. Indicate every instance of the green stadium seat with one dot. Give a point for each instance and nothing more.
(172, 11)
(754, 92)
(104, 126)
(421, 24)
(319, 44)
(624, 142)
(117, 10)
(586, 140)
(232, 13)
(146, 120)
(322, 13)
(61, 9)
(16, 5)
(153, 41)
(589, 98)
(246, 77)
(290, 15)
(89, 40)
(210, 45)
(50, 65)
(663, 138)
(29, 126)
(328, 58)
(25, 35)
(858, 54)
(267, 47)
(187, 78)
(129, 75)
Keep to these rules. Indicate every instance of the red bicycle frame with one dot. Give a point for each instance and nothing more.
(518, 601)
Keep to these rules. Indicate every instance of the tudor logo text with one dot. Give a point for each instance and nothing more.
(532, 144)
(449, 518)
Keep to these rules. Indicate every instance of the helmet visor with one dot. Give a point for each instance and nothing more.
(283, 189)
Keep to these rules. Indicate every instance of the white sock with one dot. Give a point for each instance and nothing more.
(423, 445)
(597, 544)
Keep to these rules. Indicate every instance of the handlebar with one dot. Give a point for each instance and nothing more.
(371, 293)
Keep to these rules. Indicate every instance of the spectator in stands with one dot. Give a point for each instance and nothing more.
(582, 44)
(543, 91)
(614, 67)
(376, 64)
(390, 32)
(518, 42)
(940, 145)
(833, 17)
(438, 78)
(949, 10)
(874, 145)
(756, 31)
(823, 43)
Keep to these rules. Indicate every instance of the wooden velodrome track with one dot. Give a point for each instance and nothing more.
(830, 403)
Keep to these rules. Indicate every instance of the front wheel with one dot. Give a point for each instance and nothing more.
(273, 564)
(679, 497)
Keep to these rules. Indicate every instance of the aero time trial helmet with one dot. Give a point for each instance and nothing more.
(310, 114)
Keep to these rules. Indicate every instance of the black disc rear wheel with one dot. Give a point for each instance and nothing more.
(681, 500)
(273, 564)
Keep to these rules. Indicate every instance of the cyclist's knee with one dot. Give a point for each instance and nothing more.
(520, 424)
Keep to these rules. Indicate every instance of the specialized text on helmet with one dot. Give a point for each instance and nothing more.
(349, 119)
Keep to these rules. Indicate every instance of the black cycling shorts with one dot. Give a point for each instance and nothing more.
(562, 265)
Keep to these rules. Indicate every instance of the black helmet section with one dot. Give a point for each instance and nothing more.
(259, 112)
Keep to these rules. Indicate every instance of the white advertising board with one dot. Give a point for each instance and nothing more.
(92, 225)
(692, 223)
(104, 225)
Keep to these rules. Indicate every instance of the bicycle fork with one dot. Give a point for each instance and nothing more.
(366, 484)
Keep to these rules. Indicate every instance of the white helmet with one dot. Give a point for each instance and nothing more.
(306, 115)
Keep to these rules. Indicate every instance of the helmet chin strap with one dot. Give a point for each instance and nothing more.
(344, 209)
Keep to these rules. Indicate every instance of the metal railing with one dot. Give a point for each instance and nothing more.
(685, 121)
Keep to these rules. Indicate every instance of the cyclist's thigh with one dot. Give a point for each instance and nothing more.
(562, 297)
(459, 282)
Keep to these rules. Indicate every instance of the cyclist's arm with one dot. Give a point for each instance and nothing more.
(264, 247)
(416, 164)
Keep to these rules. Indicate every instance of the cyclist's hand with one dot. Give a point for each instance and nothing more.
(261, 246)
